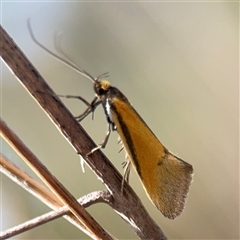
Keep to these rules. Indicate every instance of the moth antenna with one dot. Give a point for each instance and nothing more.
(104, 75)
(68, 63)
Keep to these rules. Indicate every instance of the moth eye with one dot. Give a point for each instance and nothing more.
(101, 91)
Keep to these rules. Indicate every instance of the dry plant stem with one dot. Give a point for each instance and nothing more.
(93, 228)
(127, 204)
(28, 183)
(41, 192)
(31, 185)
(85, 201)
(35, 188)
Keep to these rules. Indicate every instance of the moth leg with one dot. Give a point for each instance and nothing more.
(104, 143)
(90, 106)
(127, 167)
(120, 142)
(77, 97)
(126, 174)
(120, 149)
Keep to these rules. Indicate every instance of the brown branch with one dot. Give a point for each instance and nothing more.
(28, 183)
(41, 192)
(86, 201)
(127, 204)
(34, 187)
(93, 228)
(31, 185)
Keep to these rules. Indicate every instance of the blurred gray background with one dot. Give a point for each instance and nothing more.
(177, 62)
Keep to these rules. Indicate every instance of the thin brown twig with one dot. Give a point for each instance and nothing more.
(90, 226)
(28, 183)
(41, 192)
(33, 186)
(86, 201)
(127, 204)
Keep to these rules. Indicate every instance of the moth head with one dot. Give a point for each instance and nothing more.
(101, 87)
